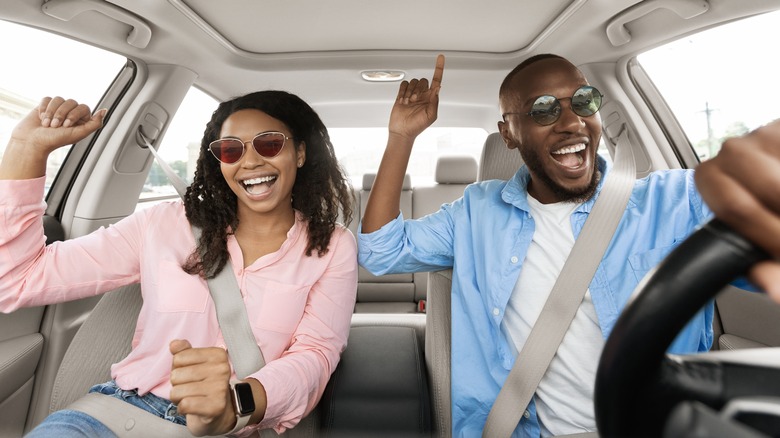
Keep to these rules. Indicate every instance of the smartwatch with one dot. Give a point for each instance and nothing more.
(243, 402)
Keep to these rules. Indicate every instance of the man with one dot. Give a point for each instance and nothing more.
(507, 240)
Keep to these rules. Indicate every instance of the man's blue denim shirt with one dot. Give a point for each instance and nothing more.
(484, 237)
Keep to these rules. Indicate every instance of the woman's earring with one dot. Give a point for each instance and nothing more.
(300, 164)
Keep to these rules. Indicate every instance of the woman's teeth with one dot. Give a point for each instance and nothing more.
(260, 180)
(256, 186)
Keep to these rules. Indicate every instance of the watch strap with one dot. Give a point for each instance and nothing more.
(241, 423)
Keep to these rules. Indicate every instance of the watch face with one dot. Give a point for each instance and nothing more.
(245, 402)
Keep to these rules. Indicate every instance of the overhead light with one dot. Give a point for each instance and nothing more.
(382, 75)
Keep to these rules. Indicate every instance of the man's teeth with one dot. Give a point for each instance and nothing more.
(253, 181)
(570, 149)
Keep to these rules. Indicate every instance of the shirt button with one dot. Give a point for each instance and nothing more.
(514, 259)
(527, 414)
(496, 311)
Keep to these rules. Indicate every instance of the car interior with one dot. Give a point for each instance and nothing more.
(678, 75)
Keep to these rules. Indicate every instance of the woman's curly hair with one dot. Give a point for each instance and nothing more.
(320, 192)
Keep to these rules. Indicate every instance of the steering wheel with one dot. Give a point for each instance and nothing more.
(642, 391)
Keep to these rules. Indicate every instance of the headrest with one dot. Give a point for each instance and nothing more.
(368, 181)
(456, 169)
(498, 161)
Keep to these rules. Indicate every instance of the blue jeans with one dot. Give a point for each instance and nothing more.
(75, 424)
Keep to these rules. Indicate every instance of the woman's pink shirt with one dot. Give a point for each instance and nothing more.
(299, 306)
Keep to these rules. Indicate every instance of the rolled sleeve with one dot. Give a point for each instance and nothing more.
(412, 245)
(377, 249)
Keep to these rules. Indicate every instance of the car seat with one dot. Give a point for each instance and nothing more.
(497, 162)
(104, 339)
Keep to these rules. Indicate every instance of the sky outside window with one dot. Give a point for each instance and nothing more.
(727, 76)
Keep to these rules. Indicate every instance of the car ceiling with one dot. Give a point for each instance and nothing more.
(317, 49)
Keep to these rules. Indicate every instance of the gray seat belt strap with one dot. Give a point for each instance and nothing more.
(566, 295)
(176, 182)
(243, 350)
(126, 420)
(234, 321)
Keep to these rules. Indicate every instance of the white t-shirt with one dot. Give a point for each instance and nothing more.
(564, 398)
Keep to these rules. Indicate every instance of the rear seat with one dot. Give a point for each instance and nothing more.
(453, 174)
(401, 293)
(393, 293)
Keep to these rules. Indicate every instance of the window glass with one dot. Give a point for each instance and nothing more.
(38, 64)
(179, 147)
(360, 149)
(721, 82)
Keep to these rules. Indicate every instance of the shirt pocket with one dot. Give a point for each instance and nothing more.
(178, 291)
(642, 262)
(279, 306)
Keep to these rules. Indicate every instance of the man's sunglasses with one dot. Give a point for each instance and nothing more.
(546, 110)
(230, 150)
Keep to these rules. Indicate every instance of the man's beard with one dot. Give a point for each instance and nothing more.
(563, 194)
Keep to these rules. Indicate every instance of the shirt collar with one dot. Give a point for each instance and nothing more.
(298, 231)
(515, 191)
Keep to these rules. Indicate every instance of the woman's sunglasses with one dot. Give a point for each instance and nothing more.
(546, 110)
(230, 150)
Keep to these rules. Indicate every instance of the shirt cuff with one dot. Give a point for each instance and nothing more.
(376, 237)
(22, 191)
(275, 411)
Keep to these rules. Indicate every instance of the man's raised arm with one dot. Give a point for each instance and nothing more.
(416, 108)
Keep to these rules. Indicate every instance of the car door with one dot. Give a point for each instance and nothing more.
(718, 90)
(30, 338)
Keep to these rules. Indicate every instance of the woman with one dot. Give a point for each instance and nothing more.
(267, 194)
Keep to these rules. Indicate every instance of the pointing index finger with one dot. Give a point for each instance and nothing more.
(438, 72)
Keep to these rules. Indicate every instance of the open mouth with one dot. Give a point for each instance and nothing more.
(570, 156)
(257, 186)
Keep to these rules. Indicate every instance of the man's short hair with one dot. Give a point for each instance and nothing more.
(508, 79)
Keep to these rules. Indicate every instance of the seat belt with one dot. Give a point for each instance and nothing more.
(128, 421)
(233, 320)
(566, 295)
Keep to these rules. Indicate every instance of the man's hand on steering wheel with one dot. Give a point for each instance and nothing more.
(742, 187)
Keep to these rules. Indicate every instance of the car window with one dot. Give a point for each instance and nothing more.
(721, 82)
(360, 149)
(179, 147)
(38, 64)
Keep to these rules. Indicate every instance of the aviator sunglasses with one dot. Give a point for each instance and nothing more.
(546, 110)
(230, 150)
